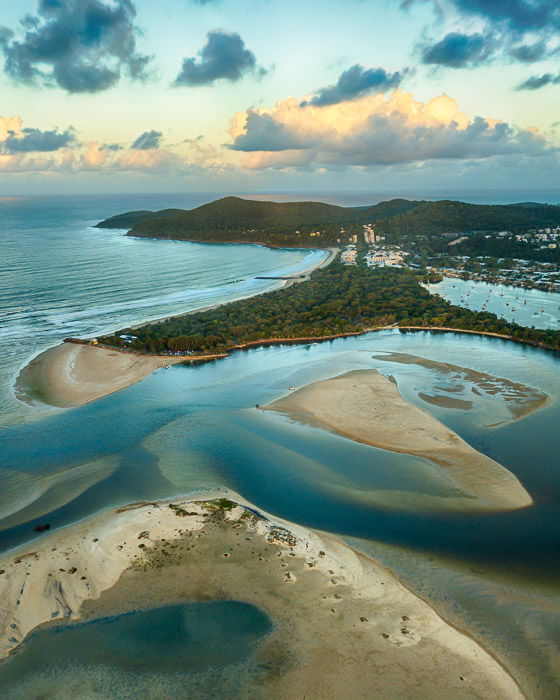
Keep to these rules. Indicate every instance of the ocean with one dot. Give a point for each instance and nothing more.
(61, 277)
(188, 429)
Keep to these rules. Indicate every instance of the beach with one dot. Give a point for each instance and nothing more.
(73, 374)
(343, 625)
(365, 406)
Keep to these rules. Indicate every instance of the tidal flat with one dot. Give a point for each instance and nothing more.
(340, 624)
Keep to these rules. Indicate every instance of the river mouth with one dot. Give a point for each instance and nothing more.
(191, 428)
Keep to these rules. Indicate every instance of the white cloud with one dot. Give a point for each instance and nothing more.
(187, 158)
(374, 130)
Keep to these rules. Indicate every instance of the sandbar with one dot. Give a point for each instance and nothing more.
(367, 407)
(344, 626)
(71, 374)
(520, 399)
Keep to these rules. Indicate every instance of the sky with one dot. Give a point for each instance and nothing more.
(278, 95)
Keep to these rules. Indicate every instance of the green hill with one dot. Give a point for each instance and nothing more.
(132, 218)
(312, 224)
(454, 217)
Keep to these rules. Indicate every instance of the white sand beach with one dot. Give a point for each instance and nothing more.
(344, 625)
(365, 406)
(71, 374)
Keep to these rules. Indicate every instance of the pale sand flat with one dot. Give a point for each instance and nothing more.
(365, 406)
(344, 626)
(71, 374)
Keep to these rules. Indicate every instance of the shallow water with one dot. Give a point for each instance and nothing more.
(62, 277)
(191, 428)
(188, 650)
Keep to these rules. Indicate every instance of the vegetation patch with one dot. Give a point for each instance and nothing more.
(337, 300)
(218, 504)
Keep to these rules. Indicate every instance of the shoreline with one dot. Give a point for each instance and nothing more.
(127, 558)
(27, 377)
(305, 274)
(72, 374)
(66, 378)
(367, 407)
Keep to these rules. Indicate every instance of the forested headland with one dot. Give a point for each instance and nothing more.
(312, 224)
(336, 300)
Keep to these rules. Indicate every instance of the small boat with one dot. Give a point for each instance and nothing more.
(293, 388)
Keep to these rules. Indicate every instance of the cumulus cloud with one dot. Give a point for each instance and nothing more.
(519, 30)
(355, 82)
(30, 140)
(223, 57)
(519, 16)
(458, 50)
(14, 138)
(147, 140)
(373, 130)
(536, 82)
(30, 150)
(529, 53)
(79, 45)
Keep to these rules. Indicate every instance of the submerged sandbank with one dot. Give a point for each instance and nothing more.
(365, 406)
(71, 374)
(520, 399)
(344, 625)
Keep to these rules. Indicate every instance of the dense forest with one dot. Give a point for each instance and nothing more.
(311, 224)
(495, 247)
(336, 300)
(428, 218)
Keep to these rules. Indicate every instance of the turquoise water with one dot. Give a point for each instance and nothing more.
(62, 277)
(191, 428)
(186, 649)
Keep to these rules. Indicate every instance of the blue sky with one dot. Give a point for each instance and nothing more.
(202, 95)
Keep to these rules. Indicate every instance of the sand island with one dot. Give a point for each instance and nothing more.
(343, 625)
(366, 406)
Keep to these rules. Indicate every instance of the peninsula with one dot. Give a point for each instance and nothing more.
(327, 601)
(309, 224)
(335, 301)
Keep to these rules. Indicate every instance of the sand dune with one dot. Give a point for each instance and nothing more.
(344, 626)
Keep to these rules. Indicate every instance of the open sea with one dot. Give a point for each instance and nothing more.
(187, 429)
